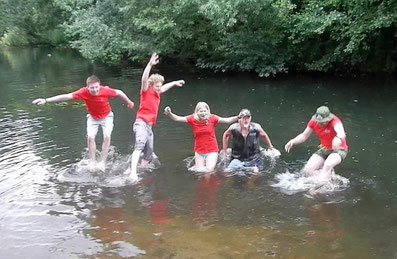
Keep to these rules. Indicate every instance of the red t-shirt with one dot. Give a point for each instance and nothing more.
(326, 134)
(148, 106)
(98, 106)
(204, 134)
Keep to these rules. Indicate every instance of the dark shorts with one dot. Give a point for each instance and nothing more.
(324, 152)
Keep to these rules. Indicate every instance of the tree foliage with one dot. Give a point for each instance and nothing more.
(265, 36)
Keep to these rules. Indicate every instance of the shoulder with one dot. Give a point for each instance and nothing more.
(80, 92)
(311, 123)
(256, 126)
(107, 89)
(234, 126)
(214, 118)
(190, 118)
(335, 120)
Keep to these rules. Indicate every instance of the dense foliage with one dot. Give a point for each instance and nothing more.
(265, 36)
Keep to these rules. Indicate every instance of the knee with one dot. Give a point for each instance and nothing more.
(106, 139)
(91, 140)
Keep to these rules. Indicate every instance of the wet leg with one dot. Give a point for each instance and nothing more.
(315, 162)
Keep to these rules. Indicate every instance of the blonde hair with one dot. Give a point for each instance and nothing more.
(199, 106)
(154, 78)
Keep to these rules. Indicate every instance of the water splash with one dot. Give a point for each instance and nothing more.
(291, 183)
(115, 173)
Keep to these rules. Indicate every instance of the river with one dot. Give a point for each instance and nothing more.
(50, 208)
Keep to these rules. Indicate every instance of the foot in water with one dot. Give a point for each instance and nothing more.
(101, 166)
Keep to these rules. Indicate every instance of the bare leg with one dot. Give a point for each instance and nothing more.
(105, 148)
(91, 148)
(332, 160)
(315, 162)
(134, 163)
(210, 161)
(199, 164)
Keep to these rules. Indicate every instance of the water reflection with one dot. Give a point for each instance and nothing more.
(204, 211)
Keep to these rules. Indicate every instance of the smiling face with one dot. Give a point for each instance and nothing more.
(93, 88)
(157, 86)
(203, 113)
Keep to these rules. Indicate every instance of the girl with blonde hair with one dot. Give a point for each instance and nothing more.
(203, 125)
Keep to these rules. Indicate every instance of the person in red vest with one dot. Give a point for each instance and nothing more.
(333, 148)
(95, 97)
(151, 89)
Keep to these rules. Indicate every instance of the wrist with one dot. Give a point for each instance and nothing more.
(45, 100)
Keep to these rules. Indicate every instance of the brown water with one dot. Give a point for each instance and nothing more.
(51, 208)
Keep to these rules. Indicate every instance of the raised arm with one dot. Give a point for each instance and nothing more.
(174, 117)
(124, 97)
(53, 99)
(298, 139)
(154, 60)
(228, 120)
(225, 140)
(168, 86)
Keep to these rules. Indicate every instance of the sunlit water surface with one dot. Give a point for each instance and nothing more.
(53, 207)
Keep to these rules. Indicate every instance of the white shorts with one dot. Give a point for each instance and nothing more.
(105, 123)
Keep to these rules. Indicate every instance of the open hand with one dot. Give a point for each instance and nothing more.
(39, 101)
(154, 59)
(288, 146)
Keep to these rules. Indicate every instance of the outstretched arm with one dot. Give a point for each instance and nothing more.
(174, 117)
(53, 99)
(298, 139)
(168, 86)
(228, 120)
(154, 60)
(124, 97)
(225, 140)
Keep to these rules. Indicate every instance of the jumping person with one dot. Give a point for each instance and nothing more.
(203, 125)
(246, 151)
(333, 148)
(95, 97)
(151, 88)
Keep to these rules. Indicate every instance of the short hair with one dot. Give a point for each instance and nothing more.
(92, 79)
(199, 106)
(154, 78)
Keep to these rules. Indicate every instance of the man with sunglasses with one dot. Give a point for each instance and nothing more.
(246, 151)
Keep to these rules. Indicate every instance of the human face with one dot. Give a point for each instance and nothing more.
(157, 86)
(93, 88)
(245, 121)
(202, 113)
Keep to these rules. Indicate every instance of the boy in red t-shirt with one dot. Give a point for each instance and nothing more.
(333, 149)
(205, 144)
(99, 111)
(151, 89)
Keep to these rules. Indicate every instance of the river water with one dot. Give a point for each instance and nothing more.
(52, 208)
